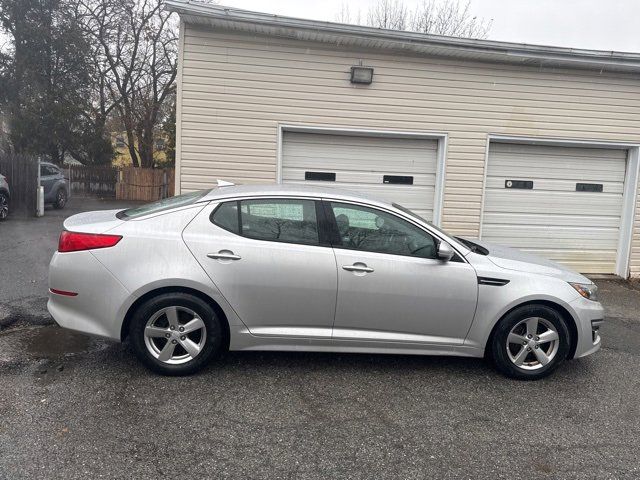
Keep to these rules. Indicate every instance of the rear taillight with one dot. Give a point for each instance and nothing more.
(75, 242)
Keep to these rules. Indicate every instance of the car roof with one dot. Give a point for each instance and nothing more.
(291, 189)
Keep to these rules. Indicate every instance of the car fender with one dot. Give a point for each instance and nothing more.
(177, 283)
(496, 301)
(51, 196)
(61, 183)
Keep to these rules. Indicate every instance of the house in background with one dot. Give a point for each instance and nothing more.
(122, 155)
(531, 146)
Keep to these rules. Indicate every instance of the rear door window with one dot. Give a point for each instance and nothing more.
(280, 220)
(274, 220)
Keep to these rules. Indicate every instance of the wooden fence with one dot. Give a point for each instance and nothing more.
(147, 184)
(144, 184)
(93, 180)
(22, 175)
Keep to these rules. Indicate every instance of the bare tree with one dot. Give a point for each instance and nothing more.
(390, 14)
(135, 66)
(449, 18)
(438, 17)
(345, 15)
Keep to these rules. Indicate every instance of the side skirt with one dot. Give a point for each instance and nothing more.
(243, 340)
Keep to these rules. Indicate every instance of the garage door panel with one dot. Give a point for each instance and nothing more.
(541, 151)
(596, 262)
(358, 161)
(542, 173)
(554, 244)
(391, 143)
(361, 162)
(563, 159)
(552, 203)
(537, 219)
(375, 178)
(534, 234)
(552, 219)
(609, 165)
(558, 185)
(337, 154)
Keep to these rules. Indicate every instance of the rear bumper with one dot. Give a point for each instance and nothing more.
(589, 318)
(96, 308)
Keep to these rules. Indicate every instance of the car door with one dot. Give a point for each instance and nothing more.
(268, 258)
(47, 178)
(391, 286)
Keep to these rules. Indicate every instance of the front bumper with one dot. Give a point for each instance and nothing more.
(589, 317)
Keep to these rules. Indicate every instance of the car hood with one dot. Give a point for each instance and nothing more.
(513, 259)
(99, 221)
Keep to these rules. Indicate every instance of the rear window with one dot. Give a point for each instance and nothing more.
(162, 205)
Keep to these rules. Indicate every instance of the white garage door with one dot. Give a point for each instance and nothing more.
(563, 203)
(401, 170)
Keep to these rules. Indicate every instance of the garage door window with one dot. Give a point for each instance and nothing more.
(362, 228)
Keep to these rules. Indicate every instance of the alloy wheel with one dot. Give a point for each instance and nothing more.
(175, 335)
(532, 343)
(4, 207)
(61, 198)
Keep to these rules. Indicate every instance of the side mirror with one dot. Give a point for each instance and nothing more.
(445, 251)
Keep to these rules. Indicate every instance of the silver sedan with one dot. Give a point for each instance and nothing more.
(303, 268)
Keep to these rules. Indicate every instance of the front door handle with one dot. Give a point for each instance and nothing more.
(361, 267)
(224, 255)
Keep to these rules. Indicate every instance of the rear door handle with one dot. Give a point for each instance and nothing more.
(357, 268)
(224, 255)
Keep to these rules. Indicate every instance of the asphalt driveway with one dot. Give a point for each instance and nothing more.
(73, 407)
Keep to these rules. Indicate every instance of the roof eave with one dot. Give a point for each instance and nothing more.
(411, 42)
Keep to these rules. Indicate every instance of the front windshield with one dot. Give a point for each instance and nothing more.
(161, 205)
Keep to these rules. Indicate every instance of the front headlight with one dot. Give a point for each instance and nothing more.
(587, 290)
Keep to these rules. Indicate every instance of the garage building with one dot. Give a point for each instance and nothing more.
(530, 146)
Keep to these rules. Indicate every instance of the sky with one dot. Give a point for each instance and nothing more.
(590, 24)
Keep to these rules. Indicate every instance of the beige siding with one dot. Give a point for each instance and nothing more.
(236, 89)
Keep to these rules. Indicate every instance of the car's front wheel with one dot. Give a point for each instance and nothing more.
(4, 206)
(530, 342)
(175, 333)
(61, 199)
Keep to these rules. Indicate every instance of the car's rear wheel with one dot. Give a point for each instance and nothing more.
(4, 206)
(530, 342)
(175, 333)
(61, 198)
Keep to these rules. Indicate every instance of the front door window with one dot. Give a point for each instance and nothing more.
(371, 230)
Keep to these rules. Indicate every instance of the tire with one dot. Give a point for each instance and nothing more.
(61, 199)
(522, 361)
(153, 316)
(4, 206)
